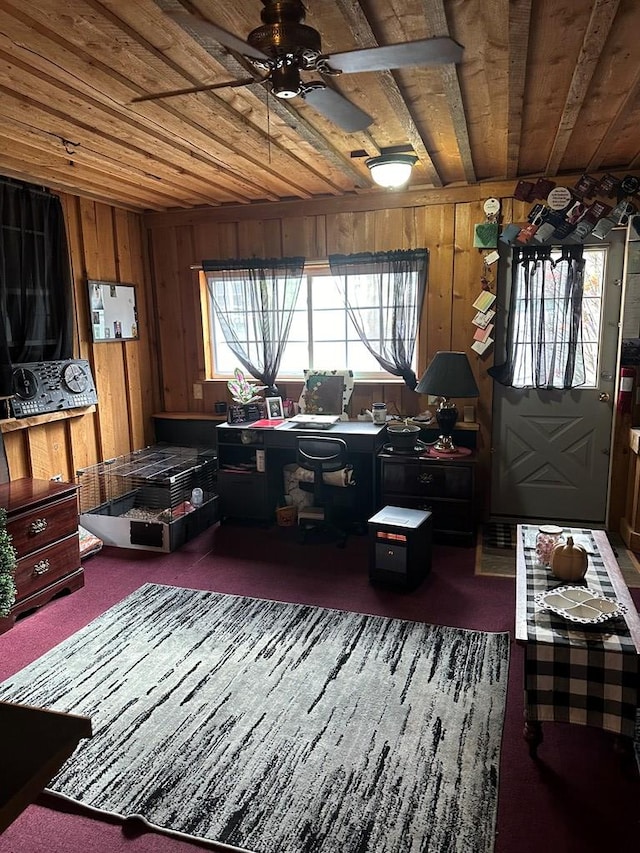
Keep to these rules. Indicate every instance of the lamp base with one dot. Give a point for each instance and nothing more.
(446, 416)
(445, 444)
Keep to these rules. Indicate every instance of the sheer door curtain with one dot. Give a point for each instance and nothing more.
(544, 346)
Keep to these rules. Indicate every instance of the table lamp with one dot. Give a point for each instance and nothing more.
(448, 375)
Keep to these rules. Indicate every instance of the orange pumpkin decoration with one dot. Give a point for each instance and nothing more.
(569, 562)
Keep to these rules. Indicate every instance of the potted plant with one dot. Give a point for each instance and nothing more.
(245, 395)
(8, 562)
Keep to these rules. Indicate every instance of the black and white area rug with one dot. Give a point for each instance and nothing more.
(281, 728)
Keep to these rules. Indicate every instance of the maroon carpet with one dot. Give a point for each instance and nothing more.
(577, 798)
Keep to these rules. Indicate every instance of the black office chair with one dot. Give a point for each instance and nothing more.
(322, 455)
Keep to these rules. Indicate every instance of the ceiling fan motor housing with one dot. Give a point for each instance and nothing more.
(288, 42)
(283, 32)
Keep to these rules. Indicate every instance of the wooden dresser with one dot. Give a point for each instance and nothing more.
(42, 519)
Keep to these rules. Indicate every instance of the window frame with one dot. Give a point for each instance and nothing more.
(311, 270)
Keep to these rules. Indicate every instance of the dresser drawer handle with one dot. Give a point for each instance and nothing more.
(38, 526)
(42, 567)
(425, 478)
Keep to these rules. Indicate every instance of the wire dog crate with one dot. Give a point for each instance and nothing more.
(155, 499)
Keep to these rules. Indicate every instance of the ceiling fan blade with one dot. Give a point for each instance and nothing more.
(231, 84)
(336, 108)
(206, 29)
(434, 51)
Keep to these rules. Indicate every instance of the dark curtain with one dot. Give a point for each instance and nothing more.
(254, 301)
(385, 306)
(543, 347)
(36, 294)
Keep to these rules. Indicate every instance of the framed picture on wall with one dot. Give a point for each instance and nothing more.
(112, 311)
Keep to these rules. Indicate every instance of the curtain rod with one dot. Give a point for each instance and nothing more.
(12, 182)
(313, 262)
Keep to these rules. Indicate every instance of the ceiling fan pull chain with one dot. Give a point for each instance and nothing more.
(268, 129)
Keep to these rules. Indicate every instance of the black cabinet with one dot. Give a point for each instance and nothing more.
(444, 487)
(242, 479)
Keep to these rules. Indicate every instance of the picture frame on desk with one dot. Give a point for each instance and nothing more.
(275, 408)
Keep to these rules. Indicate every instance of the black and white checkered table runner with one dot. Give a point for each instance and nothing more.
(575, 673)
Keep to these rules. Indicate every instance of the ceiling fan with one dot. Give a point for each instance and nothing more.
(284, 46)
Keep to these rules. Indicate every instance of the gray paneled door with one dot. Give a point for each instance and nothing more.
(551, 449)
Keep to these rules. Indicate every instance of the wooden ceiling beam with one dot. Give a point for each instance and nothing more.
(519, 25)
(437, 20)
(83, 161)
(167, 165)
(409, 198)
(73, 179)
(64, 190)
(364, 36)
(602, 16)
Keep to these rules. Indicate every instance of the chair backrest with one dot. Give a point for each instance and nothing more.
(322, 453)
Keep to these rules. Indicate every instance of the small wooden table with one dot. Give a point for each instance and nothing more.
(574, 673)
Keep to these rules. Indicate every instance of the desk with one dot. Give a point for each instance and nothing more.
(247, 492)
(575, 673)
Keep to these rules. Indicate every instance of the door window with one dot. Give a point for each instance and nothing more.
(541, 315)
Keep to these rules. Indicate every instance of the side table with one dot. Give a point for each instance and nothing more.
(444, 487)
(574, 673)
(42, 520)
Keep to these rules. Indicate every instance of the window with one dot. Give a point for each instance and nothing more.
(322, 334)
(540, 316)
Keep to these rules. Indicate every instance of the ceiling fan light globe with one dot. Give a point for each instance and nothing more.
(285, 94)
(391, 171)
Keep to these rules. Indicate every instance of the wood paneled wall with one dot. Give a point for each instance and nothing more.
(314, 231)
(105, 243)
(441, 220)
(158, 372)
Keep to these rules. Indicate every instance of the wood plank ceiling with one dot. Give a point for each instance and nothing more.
(544, 87)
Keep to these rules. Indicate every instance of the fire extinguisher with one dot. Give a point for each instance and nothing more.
(625, 391)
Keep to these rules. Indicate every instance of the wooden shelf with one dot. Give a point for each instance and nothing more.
(190, 416)
(13, 424)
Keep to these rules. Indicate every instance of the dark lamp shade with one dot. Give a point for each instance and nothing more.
(448, 375)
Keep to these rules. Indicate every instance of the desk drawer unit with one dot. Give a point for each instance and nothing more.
(446, 489)
(244, 495)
